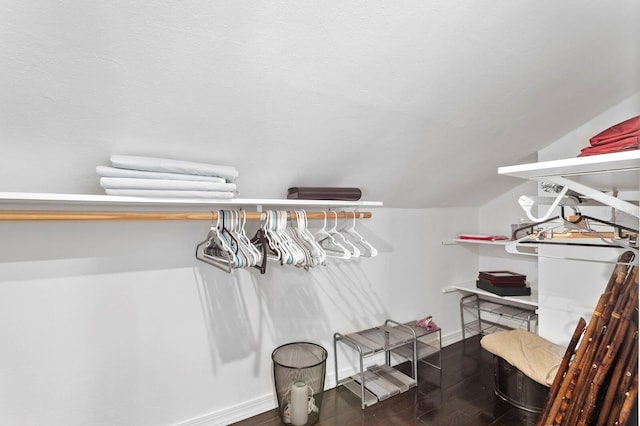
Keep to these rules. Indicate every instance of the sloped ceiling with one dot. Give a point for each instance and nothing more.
(416, 102)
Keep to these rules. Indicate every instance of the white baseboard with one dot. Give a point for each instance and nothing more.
(451, 338)
(267, 402)
(259, 405)
(234, 414)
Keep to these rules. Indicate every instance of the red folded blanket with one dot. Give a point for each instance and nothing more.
(623, 136)
(628, 143)
(627, 128)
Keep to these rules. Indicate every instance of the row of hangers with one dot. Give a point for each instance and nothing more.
(569, 230)
(578, 225)
(283, 237)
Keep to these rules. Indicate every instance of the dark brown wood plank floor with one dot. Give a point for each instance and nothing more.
(462, 395)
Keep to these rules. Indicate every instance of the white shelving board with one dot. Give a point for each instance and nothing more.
(470, 287)
(50, 200)
(616, 170)
(497, 243)
(590, 176)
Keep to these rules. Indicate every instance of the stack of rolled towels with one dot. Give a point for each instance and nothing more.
(136, 176)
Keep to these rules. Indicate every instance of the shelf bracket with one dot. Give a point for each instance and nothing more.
(527, 203)
(602, 197)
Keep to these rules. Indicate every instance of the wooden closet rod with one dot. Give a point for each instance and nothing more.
(15, 215)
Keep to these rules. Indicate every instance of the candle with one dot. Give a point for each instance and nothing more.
(299, 404)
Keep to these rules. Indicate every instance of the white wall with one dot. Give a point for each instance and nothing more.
(570, 289)
(117, 323)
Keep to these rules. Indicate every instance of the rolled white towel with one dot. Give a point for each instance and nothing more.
(106, 171)
(163, 165)
(159, 193)
(158, 184)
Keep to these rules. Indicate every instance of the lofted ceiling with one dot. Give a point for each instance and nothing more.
(416, 102)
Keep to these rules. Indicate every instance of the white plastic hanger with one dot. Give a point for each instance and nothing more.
(296, 254)
(214, 250)
(331, 247)
(351, 231)
(278, 252)
(248, 253)
(227, 225)
(295, 233)
(353, 250)
(254, 253)
(315, 254)
(320, 255)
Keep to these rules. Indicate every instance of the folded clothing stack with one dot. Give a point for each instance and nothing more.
(623, 136)
(136, 176)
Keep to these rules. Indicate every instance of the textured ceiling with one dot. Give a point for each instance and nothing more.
(416, 102)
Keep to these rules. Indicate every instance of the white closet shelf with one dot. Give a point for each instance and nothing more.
(470, 287)
(44, 200)
(454, 241)
(590, 176)
(618, 162)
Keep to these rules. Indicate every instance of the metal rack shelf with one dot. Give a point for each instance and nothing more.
(476, 306)
(428, 346)
(380, 382)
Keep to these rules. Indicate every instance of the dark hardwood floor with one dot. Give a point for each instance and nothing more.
(463, 395)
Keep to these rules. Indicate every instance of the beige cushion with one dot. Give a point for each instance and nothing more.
(535, 356)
